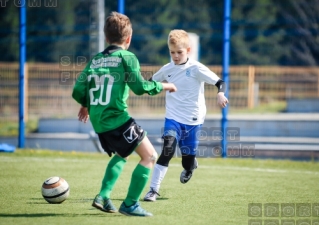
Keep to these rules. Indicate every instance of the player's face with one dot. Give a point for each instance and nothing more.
(178, 53)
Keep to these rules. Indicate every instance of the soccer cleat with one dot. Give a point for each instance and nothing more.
(134, 210)
(151, 196)
(103, 204)
(187, 175)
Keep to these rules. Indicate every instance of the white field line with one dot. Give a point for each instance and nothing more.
(232, 168)
(253, 169)
(32, 158)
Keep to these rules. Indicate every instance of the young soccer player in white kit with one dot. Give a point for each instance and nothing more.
(185, 109)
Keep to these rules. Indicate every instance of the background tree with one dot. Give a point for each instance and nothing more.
(9, 32)
(256, 39)
(52, 32)
(263, 32)
(300, 22)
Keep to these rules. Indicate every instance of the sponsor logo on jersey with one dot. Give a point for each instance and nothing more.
(113, 61)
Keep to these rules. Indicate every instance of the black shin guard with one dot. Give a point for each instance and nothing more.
(188, 161)
(168, 151)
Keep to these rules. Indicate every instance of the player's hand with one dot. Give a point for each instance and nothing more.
(169, 87)
(222, 101)
(83, 114)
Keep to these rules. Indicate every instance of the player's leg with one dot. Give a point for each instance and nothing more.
(189, 144)
(161, 167)
(112, 173)
(113, 170)
(122, 140)
(139, 179)
(170, 136)
(189, 163)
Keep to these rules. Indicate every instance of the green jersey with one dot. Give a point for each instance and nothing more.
(103, 87)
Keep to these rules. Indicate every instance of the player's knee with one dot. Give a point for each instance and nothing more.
(168, 152)
(169, 146)
(148, 160)
(154, 157)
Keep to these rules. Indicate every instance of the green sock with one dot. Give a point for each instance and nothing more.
(139, 180)
(112, 173)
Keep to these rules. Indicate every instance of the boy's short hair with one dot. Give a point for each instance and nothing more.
(178, 37)
(117, 28)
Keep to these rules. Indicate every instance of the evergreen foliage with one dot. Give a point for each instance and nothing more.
(263, 32)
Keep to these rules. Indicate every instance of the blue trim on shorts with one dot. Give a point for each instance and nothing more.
(186, 135)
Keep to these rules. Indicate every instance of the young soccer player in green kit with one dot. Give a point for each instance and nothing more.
(102, 91)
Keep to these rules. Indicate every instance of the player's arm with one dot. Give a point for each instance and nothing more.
(79, 92)
(221, 86)
(222, 101)
(135, 80)
(206, 75)
(164, 81)
(83, 114)
(158, 76)
(151, 87)
(221, 98)
(140, 86)
(169, 87)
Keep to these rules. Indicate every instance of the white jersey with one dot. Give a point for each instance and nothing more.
(187, 104)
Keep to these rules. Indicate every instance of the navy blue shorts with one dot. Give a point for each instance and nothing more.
(186, 135)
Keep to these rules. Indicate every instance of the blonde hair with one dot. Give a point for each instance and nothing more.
(178, 37)
(117, 28)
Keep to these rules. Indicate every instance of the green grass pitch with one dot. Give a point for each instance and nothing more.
(219, 192)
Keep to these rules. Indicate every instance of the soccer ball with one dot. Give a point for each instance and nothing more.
(55, 190)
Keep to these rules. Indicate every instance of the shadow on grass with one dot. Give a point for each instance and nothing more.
(34, 215)
(160, 199)
(42, 201)
(122, 199)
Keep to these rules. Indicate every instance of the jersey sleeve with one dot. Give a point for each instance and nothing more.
(159, 76)
(135, 80)
(206, 75)
(80, 92)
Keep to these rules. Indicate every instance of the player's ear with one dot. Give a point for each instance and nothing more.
(188, 50)
(128, 39)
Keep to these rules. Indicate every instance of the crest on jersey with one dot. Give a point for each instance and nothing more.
(130, 135)
(188, 73)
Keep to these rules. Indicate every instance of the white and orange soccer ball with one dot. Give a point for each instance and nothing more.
(55, 190)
